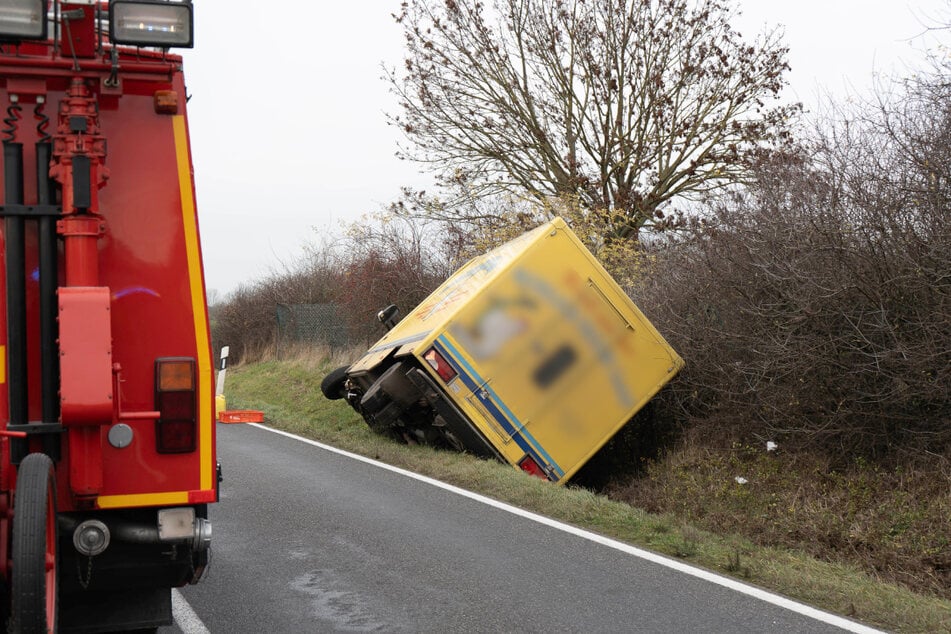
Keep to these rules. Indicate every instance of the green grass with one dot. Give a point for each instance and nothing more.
(288, 393)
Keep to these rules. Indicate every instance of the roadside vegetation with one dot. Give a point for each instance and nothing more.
(288, 392)
(802, 269)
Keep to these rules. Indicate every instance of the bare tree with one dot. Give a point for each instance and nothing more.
(625, 104)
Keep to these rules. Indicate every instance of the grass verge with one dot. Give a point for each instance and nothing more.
(288, 392)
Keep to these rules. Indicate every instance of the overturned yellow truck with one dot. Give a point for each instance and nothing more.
(530, 354)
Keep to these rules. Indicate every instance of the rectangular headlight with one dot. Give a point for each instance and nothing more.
(23, 20)
(158, 23)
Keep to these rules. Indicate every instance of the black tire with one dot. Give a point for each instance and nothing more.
(34, 588)
(332, 385)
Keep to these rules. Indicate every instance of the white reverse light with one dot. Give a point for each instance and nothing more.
(176, 523)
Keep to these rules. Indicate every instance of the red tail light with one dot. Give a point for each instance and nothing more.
(529, 466)
(176, 429)
(438, 363)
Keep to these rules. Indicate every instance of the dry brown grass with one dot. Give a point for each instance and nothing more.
(305, 355)
(893, 523)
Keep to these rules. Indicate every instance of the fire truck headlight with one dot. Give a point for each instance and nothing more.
(23, 20)
(160, 23)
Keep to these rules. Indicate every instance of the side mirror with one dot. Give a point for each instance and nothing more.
(387, 316)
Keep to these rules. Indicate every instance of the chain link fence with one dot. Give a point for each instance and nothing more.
(317, 324)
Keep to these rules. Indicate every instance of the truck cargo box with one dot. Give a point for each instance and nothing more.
(530, 353)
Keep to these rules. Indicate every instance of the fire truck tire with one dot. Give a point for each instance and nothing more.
(332, 385)
(33, 579)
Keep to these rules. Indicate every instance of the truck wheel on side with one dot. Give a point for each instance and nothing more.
(332, 385)
(33, 578)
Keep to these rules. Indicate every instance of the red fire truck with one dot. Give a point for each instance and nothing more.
(107, 446)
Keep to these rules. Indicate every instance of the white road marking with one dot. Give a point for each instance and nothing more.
(706, 575)
(185, 618)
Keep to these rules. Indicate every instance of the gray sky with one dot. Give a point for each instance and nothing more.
(289, 138)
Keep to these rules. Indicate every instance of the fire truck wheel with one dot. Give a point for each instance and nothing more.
(332, 385)
(33, 583)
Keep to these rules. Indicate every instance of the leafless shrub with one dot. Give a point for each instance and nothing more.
(376, 262)
(816, 305)
(391, 260)
(246, 320)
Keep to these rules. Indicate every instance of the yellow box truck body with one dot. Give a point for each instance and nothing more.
(530, 353)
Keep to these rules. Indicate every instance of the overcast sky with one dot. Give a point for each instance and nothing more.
(288, 132)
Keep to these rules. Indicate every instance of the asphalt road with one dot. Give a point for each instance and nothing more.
(307, 540)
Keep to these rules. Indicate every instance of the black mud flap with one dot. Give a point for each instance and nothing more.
(111, 611)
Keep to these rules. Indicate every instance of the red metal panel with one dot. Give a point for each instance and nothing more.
(85, 339)
(151, 278)
(144, 260)
(78, 35)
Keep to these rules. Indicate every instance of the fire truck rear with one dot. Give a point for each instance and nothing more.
(107, 450)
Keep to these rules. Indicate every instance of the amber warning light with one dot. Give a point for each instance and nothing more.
(165, 102)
